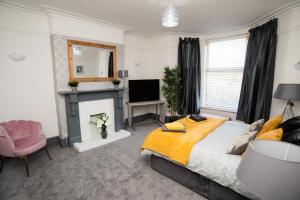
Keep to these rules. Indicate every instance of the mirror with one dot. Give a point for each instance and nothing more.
(89, 62)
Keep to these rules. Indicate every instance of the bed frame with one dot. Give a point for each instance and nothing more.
(196, 182)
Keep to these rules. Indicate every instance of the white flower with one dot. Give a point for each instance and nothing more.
(99, 123)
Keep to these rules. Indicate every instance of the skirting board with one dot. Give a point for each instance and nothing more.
(97, 142)
(196, 182)
(57, 141)
(143, 117)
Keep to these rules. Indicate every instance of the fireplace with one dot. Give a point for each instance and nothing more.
(86, 109)
(81, 104)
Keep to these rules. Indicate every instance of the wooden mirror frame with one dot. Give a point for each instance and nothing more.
(90, 44)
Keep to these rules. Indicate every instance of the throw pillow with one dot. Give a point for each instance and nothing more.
(240, 143)
(197, 118)
(175, 126)
(271, 124)
(275, 135)
(255, 126)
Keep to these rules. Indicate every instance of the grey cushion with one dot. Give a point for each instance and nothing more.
(255, 126)
(197, 118)
(240, 143)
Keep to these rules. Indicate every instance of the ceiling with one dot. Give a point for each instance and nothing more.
(144, 16)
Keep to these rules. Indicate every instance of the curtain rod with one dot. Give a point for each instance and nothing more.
(230, 36)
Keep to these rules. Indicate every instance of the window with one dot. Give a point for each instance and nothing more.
(224, 73)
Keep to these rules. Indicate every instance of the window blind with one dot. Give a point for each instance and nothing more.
(224, 73)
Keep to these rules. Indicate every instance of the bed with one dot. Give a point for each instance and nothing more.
(209, 171)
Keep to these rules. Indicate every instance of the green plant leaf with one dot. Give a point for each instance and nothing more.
(171, 87)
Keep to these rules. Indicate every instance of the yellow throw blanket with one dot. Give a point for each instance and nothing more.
(177, 146)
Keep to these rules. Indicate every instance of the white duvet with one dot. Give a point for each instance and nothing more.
(208, 157)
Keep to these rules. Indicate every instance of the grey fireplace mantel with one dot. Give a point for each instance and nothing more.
(72, 100)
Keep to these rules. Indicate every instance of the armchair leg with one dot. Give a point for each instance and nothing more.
(47, 152)
(26, 165)
(2, 163)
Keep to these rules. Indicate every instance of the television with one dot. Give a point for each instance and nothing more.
(143, 90)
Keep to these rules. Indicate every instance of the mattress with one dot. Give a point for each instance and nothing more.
(208, 157)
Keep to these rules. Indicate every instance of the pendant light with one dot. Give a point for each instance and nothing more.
(170, 15)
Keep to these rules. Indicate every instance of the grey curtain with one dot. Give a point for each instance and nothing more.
(111, 65)
(189, 72)
(257, 86)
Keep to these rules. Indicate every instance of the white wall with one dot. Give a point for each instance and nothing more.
(27, 87)
(161, 52)
(74, 26)
(135, 54)
(288, 54)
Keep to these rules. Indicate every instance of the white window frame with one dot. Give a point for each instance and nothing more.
(206, 70)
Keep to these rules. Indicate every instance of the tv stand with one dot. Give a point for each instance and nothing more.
(157, 104)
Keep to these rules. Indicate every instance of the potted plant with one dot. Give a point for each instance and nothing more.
(116, 83)
(100, 122)
(171, 89)
(73, 85)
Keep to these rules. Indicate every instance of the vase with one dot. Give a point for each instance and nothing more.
(116, 86)
(103, 132)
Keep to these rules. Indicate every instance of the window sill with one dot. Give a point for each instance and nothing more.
(218, 109)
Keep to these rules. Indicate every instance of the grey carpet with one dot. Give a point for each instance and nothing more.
(114, 171)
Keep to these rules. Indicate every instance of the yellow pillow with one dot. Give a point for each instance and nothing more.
(271, 124)
(275, 135)
(177, 126)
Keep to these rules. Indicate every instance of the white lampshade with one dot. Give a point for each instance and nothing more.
(170, 17)
(271, 170)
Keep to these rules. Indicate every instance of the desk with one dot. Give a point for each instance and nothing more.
(157, 104)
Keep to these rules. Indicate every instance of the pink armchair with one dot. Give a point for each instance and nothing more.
(20, 139)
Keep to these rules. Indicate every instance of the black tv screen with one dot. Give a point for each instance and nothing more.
(143, 90)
